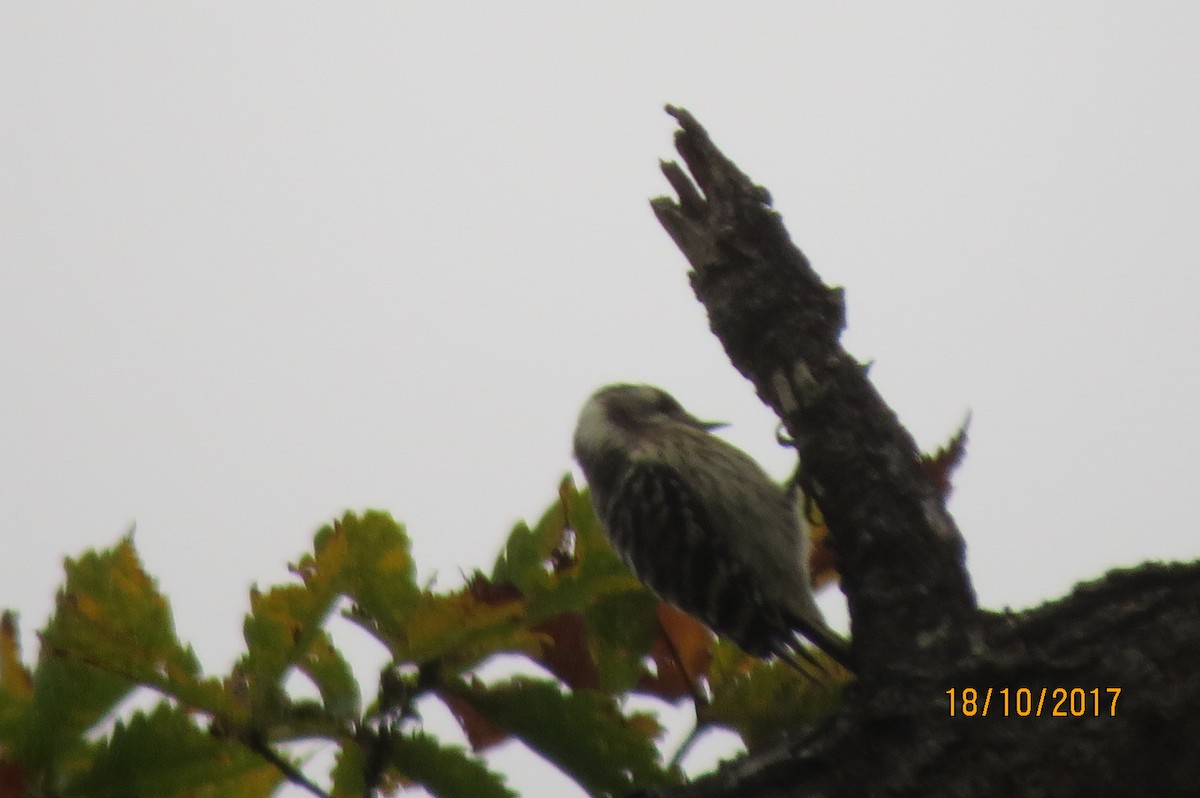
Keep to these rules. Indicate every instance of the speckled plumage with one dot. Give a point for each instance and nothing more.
(700, 522)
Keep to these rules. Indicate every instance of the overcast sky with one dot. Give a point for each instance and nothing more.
(260, 264)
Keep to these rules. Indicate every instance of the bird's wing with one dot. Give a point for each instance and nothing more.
(663, 531)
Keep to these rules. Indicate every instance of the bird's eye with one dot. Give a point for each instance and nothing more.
(666, 404)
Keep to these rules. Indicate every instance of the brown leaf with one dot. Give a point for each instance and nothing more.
(12, 780)
(682, 650)
(481, 732)
(493, 594)
(566, 653)
(942, 463)
(822, 561)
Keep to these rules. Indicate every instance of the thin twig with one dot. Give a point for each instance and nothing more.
(290, 771)
(687, 744)
(699, 700)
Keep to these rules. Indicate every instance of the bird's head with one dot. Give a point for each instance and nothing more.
(619, 416)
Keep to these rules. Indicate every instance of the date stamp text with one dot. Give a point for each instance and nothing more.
(1024, 702)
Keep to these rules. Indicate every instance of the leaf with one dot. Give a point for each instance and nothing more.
(941, 464)
(531, 557)
(282, 624)
(682, 653)
(594, 554)
(12, 780)
(348, 771)
(761, 700)
(445, 771)
(583, 569)
(164, 754)
(330, 672)
(458, 629)
(481, 733)
(416, 758)
(571, 571)
(524, 558)
(822, 560)
(595, 617)
(565, 650)
(366, 558)
(581, 732)
(69, 698)
(16, 693)
(15, 678)
(620, 611)
(621, 630)
(111, 629)
(111, 615)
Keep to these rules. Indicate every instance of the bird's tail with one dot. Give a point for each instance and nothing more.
(824, 638)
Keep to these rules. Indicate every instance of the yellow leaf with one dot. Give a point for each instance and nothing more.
(14, 676)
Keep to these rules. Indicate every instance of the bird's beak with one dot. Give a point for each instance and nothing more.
(707, 426)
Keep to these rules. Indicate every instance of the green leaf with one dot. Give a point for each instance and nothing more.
(579, 568)
(283, 623)
(111, 629)
(348, 770)
(525, 559)
(15, 678)
(593, 581)
(459, 629)
(69, 698)
(759, 700)
(330, 672)
(582, 732)
(592, 549)
(445, 771)
(110, 614)
(565, 566)
(164, 754)
(16, 684)
(621, 630)
(364, 557)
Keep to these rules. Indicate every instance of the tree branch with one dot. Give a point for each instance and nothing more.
(901, 556)
(917, 632)
(292, 773)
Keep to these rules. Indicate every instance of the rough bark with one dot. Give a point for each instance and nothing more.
(917, 632)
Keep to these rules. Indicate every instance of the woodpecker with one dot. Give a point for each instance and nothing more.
(700, 522)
